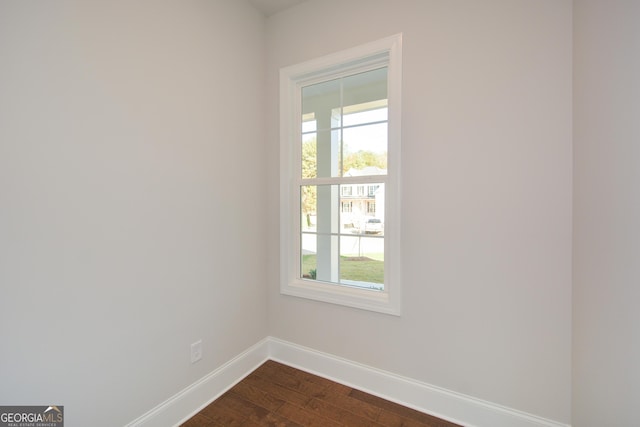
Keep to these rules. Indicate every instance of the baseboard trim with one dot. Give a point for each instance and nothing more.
(436, 401)
(442, 403)
(188, 402)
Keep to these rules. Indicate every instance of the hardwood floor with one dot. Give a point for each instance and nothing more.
(279, 395)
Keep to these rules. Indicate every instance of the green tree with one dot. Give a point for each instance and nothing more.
(361, 159)
(309, 170)
(309, 158)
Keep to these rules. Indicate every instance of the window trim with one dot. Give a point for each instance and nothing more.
(388, 52)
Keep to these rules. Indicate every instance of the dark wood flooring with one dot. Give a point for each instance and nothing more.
(279, 395)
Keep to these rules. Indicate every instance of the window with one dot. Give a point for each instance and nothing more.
(340, 148)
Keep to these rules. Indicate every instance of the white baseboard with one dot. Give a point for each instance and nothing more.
(188, 402)
(442, 403)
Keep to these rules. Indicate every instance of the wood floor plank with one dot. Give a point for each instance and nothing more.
(305, 417)
(271, 420)
(300, 383)
(277, 391)
(199, 420)
(391, 419)
(280, 395)
(340, 389)
(242, 406)
(219, 414)
(392, 410)
(258, 396)
(276, 420)
(340, 415)
(346, 402)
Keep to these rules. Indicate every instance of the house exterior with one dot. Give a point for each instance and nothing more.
(359, 202)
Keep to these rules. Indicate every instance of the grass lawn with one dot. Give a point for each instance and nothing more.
(361, 269)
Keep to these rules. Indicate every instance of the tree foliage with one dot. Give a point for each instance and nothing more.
(361, 159)
(309, 167)
(358, 160)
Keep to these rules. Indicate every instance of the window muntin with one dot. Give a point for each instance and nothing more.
(341, 142)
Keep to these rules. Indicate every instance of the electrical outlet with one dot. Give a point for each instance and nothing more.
(196, 351)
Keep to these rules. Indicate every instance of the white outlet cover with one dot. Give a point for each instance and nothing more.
(196, 351)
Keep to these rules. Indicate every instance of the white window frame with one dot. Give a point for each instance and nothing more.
(386, 52)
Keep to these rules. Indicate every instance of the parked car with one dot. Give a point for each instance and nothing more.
(373, 226)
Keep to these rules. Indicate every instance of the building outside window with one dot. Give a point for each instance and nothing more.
(371, 207)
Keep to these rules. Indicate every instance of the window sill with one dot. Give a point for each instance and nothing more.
(365, 299)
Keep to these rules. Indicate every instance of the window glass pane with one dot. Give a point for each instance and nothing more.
(321, 154)
(365, 150)
(308, 238)
(309, 266)
(363, 212)
(328, 212)
(327, 258)
(329, 153)
(336, 117)
(320, 208)
(369, 112)
(322, 99)
(309, 123)
(308, 207)
(309, 156)
(365, 87)
(362, 261)
(319, 257)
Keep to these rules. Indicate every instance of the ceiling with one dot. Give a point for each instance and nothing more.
(269, 7)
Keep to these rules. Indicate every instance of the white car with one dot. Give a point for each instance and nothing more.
(373, 226)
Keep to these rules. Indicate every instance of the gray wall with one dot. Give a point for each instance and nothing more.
(131, 178)
(487, 173)
(606, 349)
